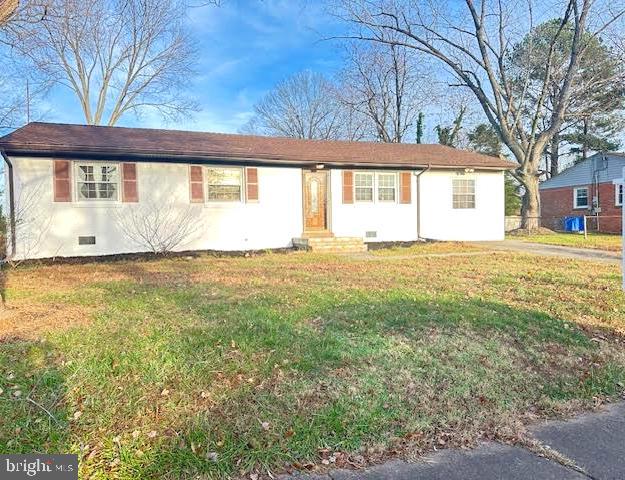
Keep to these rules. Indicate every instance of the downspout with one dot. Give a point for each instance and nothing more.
(11, 200)
(418, 175)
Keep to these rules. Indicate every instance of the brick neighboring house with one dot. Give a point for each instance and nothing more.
(586, 189)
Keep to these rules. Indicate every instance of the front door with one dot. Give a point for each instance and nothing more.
(315, 201)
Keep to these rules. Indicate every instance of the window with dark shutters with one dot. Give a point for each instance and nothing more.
(404, 187)
(196, 184)
(62, 181)
(348, 186)
(251, 179)
(130, 191)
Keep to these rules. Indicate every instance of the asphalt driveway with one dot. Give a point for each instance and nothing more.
(553, 250)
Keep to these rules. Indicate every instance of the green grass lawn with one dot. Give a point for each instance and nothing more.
(599, 241)
(216, 367)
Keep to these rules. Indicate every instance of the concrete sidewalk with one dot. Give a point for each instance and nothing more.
(593, 444)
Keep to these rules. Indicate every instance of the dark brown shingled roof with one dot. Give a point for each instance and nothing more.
(61, 139)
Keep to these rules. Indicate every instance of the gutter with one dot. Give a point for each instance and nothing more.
(239, 160)
(418, 175)
(11, 200)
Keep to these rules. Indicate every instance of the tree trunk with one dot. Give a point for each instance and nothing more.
(585, 141)
(530, 210)
(554, 155)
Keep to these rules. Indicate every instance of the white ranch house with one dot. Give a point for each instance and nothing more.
(75, 190)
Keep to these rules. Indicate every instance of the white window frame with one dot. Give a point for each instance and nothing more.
(373, 190)
(375, 186)
(241, 198)
(453, 193)
(76, 181)
(576, 206)
(377, 190)
(619, 194)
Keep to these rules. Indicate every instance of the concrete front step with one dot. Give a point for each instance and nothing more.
(331, 244)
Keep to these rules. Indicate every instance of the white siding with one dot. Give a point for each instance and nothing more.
(48, 229)
(51, 229)
(439, 221)
(392, 221)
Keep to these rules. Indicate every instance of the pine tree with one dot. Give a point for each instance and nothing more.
(420, 127)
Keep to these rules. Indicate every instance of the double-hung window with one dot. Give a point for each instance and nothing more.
(580, 197)
(363, 186)
(224, 184)
(463, 193)
(97, 181)
(620, 193)
(387, 187)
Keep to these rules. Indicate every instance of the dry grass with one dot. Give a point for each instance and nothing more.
(223, 366)
(429, 248)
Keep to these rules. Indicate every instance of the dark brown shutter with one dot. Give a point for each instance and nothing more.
(251, 178)
(62, 181)
(348, 186)
(130, 192)
(196, 184)
(404, 187)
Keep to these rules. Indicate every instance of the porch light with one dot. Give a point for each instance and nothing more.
(320, 166)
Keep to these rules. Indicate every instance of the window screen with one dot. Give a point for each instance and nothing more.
(463, 193)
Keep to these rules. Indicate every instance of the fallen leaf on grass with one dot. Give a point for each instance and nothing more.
(304, 466)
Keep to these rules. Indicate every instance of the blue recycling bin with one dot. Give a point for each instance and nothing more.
(573, 224)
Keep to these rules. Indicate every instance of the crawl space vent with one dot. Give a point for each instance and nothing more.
(86, 240)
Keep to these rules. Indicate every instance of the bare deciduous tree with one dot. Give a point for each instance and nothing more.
(158, 226)
(8, 8)
(474, 40)
(17, 14)
(307, 106)
(17, 95)
(386, 88)
(116, 56)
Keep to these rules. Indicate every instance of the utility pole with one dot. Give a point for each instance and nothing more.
(621, 181)
(27, 101)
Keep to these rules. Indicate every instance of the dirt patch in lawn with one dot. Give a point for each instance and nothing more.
(32, 321)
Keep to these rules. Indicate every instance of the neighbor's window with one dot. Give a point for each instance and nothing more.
(97, 181)
(363, 187)
(224, 184)
(580, 197)
(463, 193)
(386, 187)
(620, 192)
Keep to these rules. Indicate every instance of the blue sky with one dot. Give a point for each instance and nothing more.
(245, 47)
